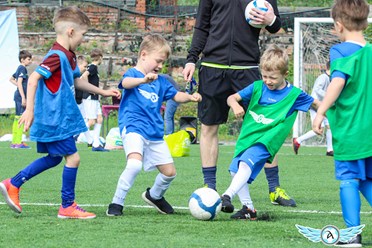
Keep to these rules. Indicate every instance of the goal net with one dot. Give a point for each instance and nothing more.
(313, 38)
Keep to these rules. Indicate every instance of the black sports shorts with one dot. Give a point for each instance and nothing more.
(215, 85)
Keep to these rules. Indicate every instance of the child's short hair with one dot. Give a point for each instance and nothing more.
(70, 14)
(154, 42)
(81, 59)
(353, 14)
(24, 55)
(96, 53)
(274, 58)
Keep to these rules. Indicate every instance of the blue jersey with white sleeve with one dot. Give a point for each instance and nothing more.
(302, 103)
(139, 110)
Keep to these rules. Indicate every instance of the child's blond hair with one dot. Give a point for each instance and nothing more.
(72, 15)
(353, 14)
(274, 58)
(154, 42)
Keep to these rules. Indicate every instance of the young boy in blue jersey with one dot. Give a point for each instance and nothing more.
(19, 79)
(53, 113)
(142, 126)
(348, 105)
(272, 110)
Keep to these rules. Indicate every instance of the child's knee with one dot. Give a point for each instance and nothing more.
(134, 155)
(168, 170)
(91, 122)
(171, 174)
(349, 183)
(73, 160)
(99, 119)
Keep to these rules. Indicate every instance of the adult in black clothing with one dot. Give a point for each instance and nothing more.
(229, 62)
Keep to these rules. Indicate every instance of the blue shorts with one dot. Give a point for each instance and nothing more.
(255, 156)
(19, 109)
(354, 169)
(58, 148)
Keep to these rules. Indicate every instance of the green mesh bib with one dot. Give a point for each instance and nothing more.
(268, 125)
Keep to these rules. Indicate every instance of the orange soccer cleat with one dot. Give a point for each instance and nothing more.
(74, 212)
(11, 195)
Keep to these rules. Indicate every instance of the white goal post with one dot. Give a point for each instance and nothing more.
(313, 38)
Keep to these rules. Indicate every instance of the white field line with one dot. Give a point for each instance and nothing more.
(186, 208)
(284, 154)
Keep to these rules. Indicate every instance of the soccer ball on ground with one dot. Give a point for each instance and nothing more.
(205, 204)
(258, 4)
(102, 141)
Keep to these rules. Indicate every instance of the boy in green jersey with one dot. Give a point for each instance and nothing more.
(348, 105)
(272, 110)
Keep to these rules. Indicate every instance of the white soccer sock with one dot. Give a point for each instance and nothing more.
(96, 133)
(239, 180)
(88, 137)
(329, 140)
(244, 195)
(161, 185)
(126, 180)
(306, 136)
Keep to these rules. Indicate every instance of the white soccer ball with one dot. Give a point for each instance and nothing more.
(102, 141)
(258, 4)
(205, 204)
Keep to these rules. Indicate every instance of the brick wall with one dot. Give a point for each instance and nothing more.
(103, 36)
(128, 44)
(103, 18)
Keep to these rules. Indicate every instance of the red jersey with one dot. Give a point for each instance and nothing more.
(52, 64)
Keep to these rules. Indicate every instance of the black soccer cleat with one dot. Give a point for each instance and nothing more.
(114, 210)
(227, 207)
(354, 242)
(161, 204)
(245, 214)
